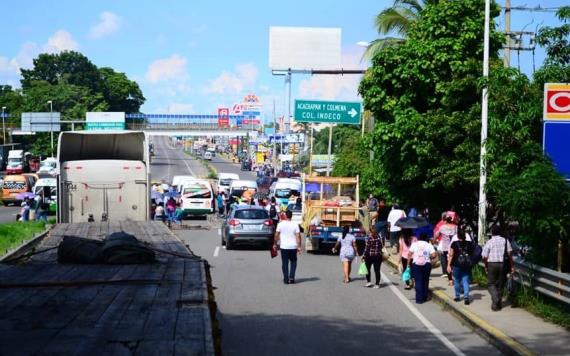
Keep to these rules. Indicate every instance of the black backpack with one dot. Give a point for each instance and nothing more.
(272, 211)
(463, 257)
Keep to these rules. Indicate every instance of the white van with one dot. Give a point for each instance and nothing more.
(178, 180)
(197, 197)
(46, 182)
(225, 181)
(284, 189)
(238, 187)
(49, 166)
(208, 155)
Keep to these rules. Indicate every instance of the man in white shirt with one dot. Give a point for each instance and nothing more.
(395, 214)
(288, 237)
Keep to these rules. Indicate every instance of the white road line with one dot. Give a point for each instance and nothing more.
(217, 251)
(186, 163)
(435, 331)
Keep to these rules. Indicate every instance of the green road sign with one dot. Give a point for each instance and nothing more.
(334, 112)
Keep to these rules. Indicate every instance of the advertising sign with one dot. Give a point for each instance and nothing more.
(556, 101)
(556, 143)
(333, 112)
(223, 117)
(105, 121)
(288, 138)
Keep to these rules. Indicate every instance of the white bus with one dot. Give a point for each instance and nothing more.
(197, 197)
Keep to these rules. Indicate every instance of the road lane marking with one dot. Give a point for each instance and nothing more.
(435, 331)
(219, 231)
(217, 251)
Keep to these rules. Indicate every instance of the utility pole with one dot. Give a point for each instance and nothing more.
(507, 49)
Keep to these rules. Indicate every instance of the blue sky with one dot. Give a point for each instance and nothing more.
(193, 56)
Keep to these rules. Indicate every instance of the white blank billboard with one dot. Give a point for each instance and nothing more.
(304, 48)
(41, 121)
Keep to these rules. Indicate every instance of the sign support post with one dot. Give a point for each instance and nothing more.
(329, 152)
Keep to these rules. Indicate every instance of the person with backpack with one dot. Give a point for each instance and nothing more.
(460, 263)
(273, 210)
(420, 255)
(348, 251)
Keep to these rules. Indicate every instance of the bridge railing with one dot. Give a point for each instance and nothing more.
(543, 280)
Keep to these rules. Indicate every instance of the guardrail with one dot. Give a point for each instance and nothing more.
(543, 280)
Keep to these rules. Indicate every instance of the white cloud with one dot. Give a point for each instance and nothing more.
(334, 87)
(60, 41)
(108, 24)
(243, 78)
(171, 68)
(180, 108)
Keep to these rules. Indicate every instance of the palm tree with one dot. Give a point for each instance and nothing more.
(396, 19)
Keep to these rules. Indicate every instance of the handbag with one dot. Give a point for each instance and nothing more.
(506, 260)
(273, 251)
(407, 275)
(362, 270)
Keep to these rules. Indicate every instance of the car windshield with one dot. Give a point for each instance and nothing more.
(226, 181)
(251, 214)
(238, 192)
(14, 162)
(286, 193)
(47, 165)
(197, 191)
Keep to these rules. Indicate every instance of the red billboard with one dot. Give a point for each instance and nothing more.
(223, 117)
(557, 101)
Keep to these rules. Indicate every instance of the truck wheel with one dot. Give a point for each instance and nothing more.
(229, 244)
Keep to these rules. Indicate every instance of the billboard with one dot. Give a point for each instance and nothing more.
(556, 101)
(41, 122)
(223, 117)
(556, 143)
(104, 120)
(304, 48)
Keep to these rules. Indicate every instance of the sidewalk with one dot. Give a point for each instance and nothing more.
(514, 331)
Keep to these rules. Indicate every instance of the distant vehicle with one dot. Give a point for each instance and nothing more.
(247, 224)
(246, 165)
(225, 181)
(197, 197)
(239, 187)
(208, 155)
(49, 187)
(284, 189)
(49, 166)
(15, 162)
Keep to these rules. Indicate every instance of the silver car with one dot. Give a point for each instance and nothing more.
(247, 224)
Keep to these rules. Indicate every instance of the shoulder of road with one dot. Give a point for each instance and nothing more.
(512, 330)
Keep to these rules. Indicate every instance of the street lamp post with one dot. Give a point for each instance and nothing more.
(51, 123)
(3, 125)
(482, 223)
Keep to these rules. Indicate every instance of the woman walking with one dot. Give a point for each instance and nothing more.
(419, 260)
(348, 251)
(405, 242)
(372, 257)
(460, 253)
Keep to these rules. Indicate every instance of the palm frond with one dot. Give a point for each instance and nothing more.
(378, 45)
(415, 5)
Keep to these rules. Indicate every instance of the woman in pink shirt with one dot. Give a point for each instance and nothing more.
(405, 242)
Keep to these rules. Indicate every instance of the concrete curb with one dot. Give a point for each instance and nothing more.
(25, 247)
(506, 344)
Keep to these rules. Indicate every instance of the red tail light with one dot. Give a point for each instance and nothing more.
(268, 222)
(233, 222)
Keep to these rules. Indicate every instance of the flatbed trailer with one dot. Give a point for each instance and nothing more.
(162, 308)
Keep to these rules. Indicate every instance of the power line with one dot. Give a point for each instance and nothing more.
(533, 9)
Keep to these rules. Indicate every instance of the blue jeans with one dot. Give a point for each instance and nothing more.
(420, 274)
(461, 277)
(288, 263)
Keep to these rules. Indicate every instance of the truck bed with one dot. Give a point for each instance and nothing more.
(162, 308)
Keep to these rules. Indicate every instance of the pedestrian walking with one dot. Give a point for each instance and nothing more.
(395, 214)
(419, 260)
(405, 242)
(348, 251)
(288, 237)
(443, 236)
(159, 213)
(381, 225)
(170, 210)
(372, 257)
(220, 203)
(498, 259)
(460, 264)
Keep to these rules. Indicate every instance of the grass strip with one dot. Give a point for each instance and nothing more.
(212, 171)
(13, 234)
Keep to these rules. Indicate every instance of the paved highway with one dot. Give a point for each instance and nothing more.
(259, 315)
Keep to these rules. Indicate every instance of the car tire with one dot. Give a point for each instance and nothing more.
(229, 244)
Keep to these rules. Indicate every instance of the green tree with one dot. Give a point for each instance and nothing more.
(120, 93)
(399, 18)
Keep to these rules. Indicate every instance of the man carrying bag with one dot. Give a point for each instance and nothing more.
(498, 259)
